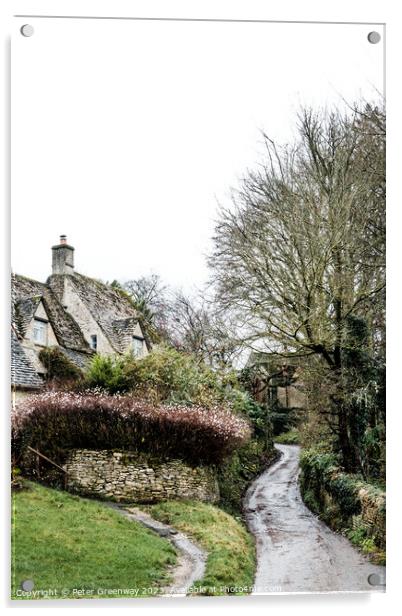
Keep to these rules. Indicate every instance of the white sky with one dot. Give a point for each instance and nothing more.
(125, 134)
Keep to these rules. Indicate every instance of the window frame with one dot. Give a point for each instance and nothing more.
(136, 349)
(44, 328)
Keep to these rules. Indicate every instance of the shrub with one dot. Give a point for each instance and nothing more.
(242, 402)
(292, 437)
(236, 473)
(108, 372)
(168, 376)
(56, 421)
(327, 490)
(283, 418)
(58, 366)
(165, 375)
(344, 501)
(321, 472)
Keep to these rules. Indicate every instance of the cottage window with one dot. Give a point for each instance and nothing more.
(93, 343)
(138, 346)
(40, 332)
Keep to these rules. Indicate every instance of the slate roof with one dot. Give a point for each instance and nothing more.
(27, 294)
(79, 359)
(23, 374)
(25, 310)
(113, 312)
(123, 331)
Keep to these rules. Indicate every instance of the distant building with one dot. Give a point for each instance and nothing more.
(78, 314)
(276, 380)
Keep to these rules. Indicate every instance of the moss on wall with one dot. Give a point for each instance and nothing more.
(345, 502)
(235, 474)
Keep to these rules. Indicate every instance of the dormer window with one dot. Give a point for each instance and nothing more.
(40, 332)
(138, 346)
(93, 342)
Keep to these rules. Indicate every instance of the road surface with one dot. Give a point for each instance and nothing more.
(296, 552)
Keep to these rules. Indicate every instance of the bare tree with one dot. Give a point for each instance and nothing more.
(196, 327)
(302, 248)
(149, 296)
(199, 329)
(188, 323)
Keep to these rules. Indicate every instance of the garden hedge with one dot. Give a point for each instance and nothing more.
(54, 422)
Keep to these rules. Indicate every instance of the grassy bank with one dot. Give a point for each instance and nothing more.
(230, 565)
(63, 542)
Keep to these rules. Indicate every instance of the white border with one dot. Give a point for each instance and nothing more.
(283, 10)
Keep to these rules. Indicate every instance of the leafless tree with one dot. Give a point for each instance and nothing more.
(149, 296)
(189, 323)
(302, 247)
(197, 327)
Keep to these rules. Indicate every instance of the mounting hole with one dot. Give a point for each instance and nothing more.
(27, 30)
(376, 579)
(374, 37)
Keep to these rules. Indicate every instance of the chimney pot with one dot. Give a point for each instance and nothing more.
(63, 239)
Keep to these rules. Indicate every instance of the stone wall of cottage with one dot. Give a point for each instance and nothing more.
(29, 341)
(128, 476)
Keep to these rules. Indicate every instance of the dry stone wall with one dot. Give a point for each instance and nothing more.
(129, 476)
(345, 502)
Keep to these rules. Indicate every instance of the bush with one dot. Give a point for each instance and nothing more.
(327, 490)
(108, 372)
(55, 422)
(257, 414)
(321, 472)
(344, 501)
(235, 474)
(283, 418)
(58, 366)
(292, 437)
(169, 376)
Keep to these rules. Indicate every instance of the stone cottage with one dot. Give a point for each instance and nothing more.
(78, 314)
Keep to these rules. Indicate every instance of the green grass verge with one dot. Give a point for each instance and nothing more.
(61, 541)
(231, 561)
(292, 437)
(359, 536)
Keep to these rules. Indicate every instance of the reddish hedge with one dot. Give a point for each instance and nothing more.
(54, 422)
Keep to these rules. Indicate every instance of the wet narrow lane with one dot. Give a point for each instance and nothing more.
(296, 552)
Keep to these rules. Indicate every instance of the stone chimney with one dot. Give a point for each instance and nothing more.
(62, 257)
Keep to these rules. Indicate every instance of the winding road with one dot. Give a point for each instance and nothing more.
(296, 552)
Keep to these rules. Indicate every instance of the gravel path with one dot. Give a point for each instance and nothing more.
(190, 565)
(296, 552)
